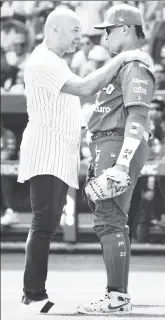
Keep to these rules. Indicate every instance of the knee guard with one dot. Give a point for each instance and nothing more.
(116, 238)
(102, 230)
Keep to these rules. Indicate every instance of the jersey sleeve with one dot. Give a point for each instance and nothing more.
(137, 84)
(51, 75)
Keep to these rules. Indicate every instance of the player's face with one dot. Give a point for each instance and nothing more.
(70, 36)
(114, 39)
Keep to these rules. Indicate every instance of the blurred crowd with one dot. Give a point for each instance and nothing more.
(22, 29)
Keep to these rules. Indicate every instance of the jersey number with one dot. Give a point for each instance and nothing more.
(109, 89)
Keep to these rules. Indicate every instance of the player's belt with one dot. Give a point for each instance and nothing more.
(101, 134)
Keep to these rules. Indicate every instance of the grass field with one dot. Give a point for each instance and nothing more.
(77, 279)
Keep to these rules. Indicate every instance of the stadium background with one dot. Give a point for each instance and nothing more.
(22, 25)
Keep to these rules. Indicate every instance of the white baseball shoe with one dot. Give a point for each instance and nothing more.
(126, 295)
(10, 218)
(32, 308)
(114, 302)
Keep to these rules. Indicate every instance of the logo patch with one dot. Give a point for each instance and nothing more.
(110, 307)
(134, 128)
(113, 155)
(109, 89)
(137, 80)
(118, 235)
(140, 90)
(102, 109)
(127, 154)
(120, 243)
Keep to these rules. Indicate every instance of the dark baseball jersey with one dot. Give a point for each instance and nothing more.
(133, 85)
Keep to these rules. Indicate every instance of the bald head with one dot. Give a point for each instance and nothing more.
(62, 31)
(61, 17)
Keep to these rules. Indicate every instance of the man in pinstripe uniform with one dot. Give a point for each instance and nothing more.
(49, 152)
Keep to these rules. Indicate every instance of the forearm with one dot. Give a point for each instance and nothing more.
(100, 78)
(133, 135)
(95, 81)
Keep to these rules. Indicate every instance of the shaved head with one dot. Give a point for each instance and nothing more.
(60, 17)
(62, 30)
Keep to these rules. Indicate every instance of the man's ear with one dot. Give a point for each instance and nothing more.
(55, 28)
(125, 30)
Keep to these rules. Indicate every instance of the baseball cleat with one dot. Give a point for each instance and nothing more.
(126, 295)
(30, 308)
(114, 302)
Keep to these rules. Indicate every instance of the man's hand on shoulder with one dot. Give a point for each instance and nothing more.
(132, 55)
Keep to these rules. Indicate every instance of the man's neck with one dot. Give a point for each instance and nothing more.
(58, 51)
(132, 45)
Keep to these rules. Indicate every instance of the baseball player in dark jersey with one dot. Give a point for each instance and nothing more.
(119, 128)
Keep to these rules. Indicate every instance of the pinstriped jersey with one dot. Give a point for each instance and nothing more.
(133, 85)
(51, 139)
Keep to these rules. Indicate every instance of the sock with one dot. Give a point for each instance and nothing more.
(114, 255)
(109, 289)
(127, 262)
